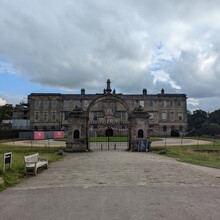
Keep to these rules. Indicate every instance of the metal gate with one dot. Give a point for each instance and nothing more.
(108, 138)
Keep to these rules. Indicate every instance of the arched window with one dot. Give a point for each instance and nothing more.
(181, 128)
(172, 127)
(76, 134)
(109, 132)
(140, 133)
(164, 128)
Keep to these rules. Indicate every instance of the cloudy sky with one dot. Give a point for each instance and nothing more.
(62, 46)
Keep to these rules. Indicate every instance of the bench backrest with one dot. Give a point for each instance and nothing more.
(32, 158)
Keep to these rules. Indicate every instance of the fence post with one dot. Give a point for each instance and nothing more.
(48, 140)
(181, 142)
(30, 140)
(214, 141)
(198, 142)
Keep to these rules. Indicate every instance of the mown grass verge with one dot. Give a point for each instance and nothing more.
(204, 155)
(16, 173)
(110, 139)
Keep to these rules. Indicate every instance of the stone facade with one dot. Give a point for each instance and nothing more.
(49, 111)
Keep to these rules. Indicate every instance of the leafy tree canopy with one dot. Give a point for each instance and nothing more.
(6, 112)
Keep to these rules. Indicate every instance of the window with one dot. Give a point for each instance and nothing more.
(164, 128)
(66, 115)
(36, 116)
(179, 102)
(180, 116)
(151, 103)
(172, 116)
(164, 116)
(151, 116)
(142, 103)
(95, 116)
(181, 128)
(54, 103)
(172, 127)
(45, 103)
(171, 103)
(66, 103)
(122, 117)
(45, 116)
(53, 116)
(37, 103)
(164, 103)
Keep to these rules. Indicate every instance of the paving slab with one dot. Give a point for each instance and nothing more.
(115, 184)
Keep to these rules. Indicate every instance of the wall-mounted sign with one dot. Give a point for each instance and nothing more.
(7, 159)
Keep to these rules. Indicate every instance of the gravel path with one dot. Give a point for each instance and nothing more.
(163, 142)
(115, 185)
(120, 168)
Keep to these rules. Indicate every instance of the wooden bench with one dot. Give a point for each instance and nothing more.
(33, 162)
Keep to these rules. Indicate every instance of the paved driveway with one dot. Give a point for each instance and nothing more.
(115, 185)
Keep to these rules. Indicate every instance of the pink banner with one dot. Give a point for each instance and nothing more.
(58, 134)
(38, 135)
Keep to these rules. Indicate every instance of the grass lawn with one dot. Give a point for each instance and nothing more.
(16, 173)
(111, 139)
(204, 155)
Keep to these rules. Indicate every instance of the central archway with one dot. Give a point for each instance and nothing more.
(108, 123)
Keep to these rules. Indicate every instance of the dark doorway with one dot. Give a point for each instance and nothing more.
(140, 133)
(76, 134)
(109, 132)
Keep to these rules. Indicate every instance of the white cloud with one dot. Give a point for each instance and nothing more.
(2, 102)
(72, 44)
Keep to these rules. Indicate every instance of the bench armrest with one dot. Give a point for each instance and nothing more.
(43, 159)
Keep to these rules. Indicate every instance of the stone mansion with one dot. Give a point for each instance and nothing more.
(49, 111)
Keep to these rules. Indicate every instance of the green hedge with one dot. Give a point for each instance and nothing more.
(9, 134)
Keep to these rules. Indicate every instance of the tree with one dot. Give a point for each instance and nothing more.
(214, 117)
(197, 119)
(6, 112)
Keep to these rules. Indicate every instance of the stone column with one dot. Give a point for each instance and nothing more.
(76, 140)
(139, 123)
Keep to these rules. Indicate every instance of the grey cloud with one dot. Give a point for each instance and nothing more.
(72, 44)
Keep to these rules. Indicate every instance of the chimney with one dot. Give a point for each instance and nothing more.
(144, 91)
(162, 91)
(82, 91)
